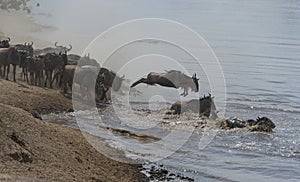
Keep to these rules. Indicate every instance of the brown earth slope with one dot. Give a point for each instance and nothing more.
(32, 150)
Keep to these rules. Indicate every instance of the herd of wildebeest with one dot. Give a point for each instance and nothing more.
(53, 65)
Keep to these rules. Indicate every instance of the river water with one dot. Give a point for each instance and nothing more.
(258, 46)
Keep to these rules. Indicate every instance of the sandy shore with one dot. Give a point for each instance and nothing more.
(32, 150)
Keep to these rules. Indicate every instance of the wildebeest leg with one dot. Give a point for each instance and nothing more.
(4, 71)
(45, 82)
(142, 80)
(185, 92)
(60, 79)
(22, 73)
(103, 96)
(42, 77)
(7, 72)
(65, 86)
(26, 75)
(40, 73)
(50, 78)
(31, 78)
(35, 78)
(47, 77)
(14, 72)
(57, 77)
(70, 85)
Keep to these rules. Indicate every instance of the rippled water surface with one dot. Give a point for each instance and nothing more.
(258, 45)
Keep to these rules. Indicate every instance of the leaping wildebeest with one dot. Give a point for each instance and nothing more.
(173, 79)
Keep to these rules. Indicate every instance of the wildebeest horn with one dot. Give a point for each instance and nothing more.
(55, 44)
(70, 47)
(8, 39)
(31, 43)
(25, 44)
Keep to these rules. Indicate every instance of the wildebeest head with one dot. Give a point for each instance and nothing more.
(63, 48)
(266, 122)
(5, 43)
(110, 79)
(207, 106)
(195, 80)
(29, 48)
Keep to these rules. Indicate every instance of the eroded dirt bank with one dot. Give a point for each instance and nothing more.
(32, 150)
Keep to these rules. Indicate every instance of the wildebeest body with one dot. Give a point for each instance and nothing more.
(204, 106)
(53, 62)
(35, 67)
(9, 56)
(67, 77)
(173, 79)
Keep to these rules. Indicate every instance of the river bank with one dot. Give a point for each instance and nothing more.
(33, 150)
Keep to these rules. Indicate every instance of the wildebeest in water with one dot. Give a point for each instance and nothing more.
(205, 106)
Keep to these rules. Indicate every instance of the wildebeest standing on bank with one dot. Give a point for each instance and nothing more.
(9, 56)
(23, 59)
(105, 79)
(25, 50)
(67, 77)
(85, 78)
(53, 62)
(109, 79)
(173, 78)
(35, 66)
